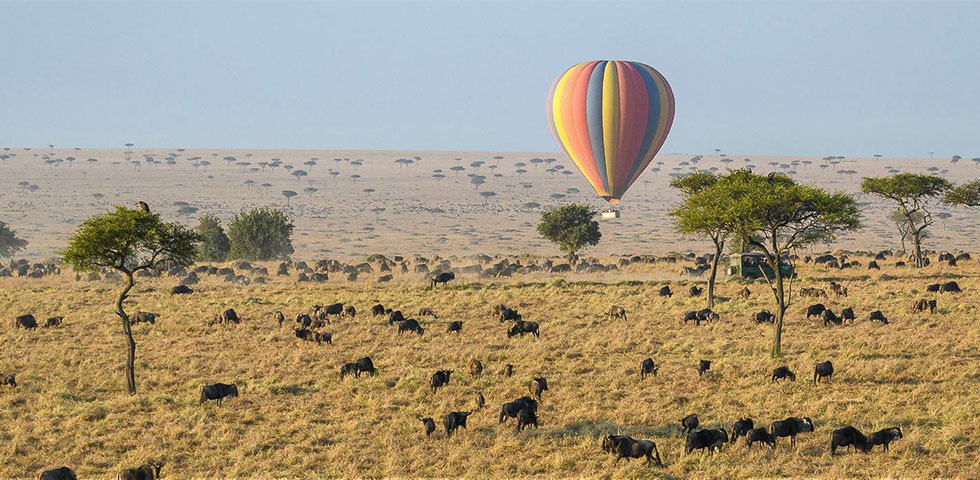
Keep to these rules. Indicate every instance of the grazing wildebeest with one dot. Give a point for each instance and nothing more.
(218, 391)
(148, 471)
(505, 314)
(508, 370)
(453, 421)
(230, 316)
(430, 426)
(821, 370)
(847, 314)
(537, 385)
(53, 321)
(280, 318)
(480, 401)
(922, 305)
(647, 368)
(812, 292)
(143, 317)
(689, 423)
(410, 325)
(526, 417)
(27, 322)
(838, 289)
(665, 291)
(304, 320)
(848, 437)
(521, 327)
(427, 312)
(617, 312)
(745, 293)
(439, 379)
(741, 427)
(933, 288)
(476, 368)
(62, 473)
(307, 335)
(815, 310)
(950, 287)
(830, 317)
(703, 366)
(456, 326)
(443, 278)
(691, 316)
(765, 316)
(781, 373)
(695, 291)
(706, 315)
(395, 316)
(884, 437)
(334, 309)
(181, 290)
(511, 409)
(377, 310)
(790, 427)
(877, 316)
(705, 439)
(873, 265)
(350, 311)
(364, 364)
(349, 369)
(760, 435)
(628, 448)
(8, 380)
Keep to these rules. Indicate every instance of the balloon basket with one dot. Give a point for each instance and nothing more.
(610, 214)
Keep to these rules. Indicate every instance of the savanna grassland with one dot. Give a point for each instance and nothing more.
(295, 418)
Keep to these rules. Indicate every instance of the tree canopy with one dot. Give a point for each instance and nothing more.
(10, 244)
(260, 234)
(572, 227)
(967, 194)
(215, 244)
(704, 212)
(912, 192)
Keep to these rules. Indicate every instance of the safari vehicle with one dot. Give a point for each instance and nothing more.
(752, 265)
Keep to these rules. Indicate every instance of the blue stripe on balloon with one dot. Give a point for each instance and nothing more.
(593, 109)
(653, 119)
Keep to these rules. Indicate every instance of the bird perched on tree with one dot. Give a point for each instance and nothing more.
(143, 206)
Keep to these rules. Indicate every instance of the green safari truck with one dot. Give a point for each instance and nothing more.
(751, 265)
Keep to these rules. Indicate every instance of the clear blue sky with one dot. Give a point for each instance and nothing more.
(751, 78)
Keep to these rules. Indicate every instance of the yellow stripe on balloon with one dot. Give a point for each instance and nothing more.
(610, 122)
(557, 105)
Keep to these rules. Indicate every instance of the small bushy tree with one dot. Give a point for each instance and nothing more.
(703, 212)
(912, 192)
(9, 243)
(572, 227)
(967, 195)
(260, 234)
(128, 241)
(215, 244)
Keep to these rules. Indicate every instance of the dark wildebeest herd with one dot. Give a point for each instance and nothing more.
(310, 327)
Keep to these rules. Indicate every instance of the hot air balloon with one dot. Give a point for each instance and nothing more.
(611, 117)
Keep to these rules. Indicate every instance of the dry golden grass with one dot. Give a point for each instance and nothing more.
(296, 419)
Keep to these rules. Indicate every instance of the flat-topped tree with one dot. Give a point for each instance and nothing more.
(967, 195)
(912, 192)
(572, 227)
(776, 216)
(129, 240)
(9, 243)
(703, 212)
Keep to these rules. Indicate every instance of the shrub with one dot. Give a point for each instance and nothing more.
(214, 242)
(260, 234)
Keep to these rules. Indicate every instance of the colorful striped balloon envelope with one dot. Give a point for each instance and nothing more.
(611, 117)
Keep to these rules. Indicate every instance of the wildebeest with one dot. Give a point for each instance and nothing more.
(703, 366)
(702, 439)
(395, 316)
(505, 314)
(511, 409)
(410, 325)
(476, 368)
(377, 310)
(304, 320)
(148, 471)
(665, 291)
(821, 370)
(741, 427)
(443, 278)
(647, 368)
(427, 312)
(848, 437)
(62, 473)
(439, 379)
(765, 316)
(364, 364)
(847, 314)
(790, 427)
(628, 448)
(526, 417)
(480, 401)
(537, 385)
(8, 380)
(950, 287)
(181, 290)
(218, 391)
(617, 312)
(695, 291)
(350, 311)
(689, 423)
(430, 426)
(884, 437)
(453, 421)
(815, 310)
(838, 289)
(27, 322)
(508, 370)
(877, 316)
(228, 316)
(349, 369)
(521, 327)
(812, 292)
(307, 335)
(333, 309)
(707, 315)
(455, 326)
(760, 435)
(143, 317)
(280, 318)
(781, 373)
(922, 305)
(53, 321)
(873, 265)
(829, 317)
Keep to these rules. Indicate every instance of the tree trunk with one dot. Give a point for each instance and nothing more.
(917, 243)
(719, 246)
(781, 307)
(131, 355)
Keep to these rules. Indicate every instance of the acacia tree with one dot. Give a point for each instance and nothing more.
(967, 195)
(776, 216)
(128, 241)
(572, 227)
(703, 212)
(9, 243)
(912, 192)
